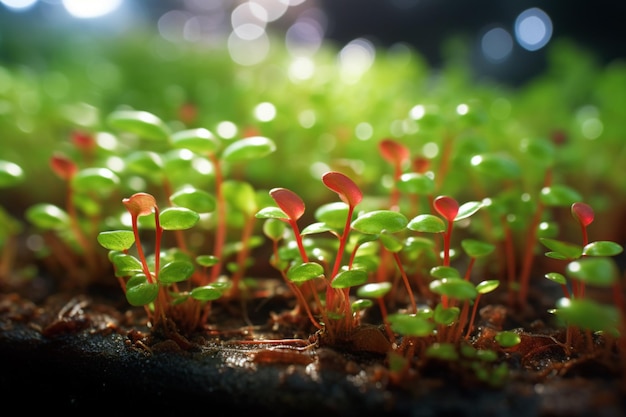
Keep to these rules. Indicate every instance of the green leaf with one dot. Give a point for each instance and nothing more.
(101, 180)
(391, 243)
(414, 183)
(208, 292)
(443, 351)
(411, 325)
(456, 288)
(374, 290)
(125, 264)
(207, 260)
(601, 272)
(200, 141)
(146, 163)
(140, 123)
(602, 248)
(467, 209)
(427, 223)
(140, 292)
(194, 199)
(271, 213)
(241, 196)
(48, 216)
(254, 147)
(375, 222)
(349, 278)
(500, 166)
(175, 271)
(10, 174)
(542, 150)
(116, 239)
(485, 287)
(566, 250)
(548, 230)
(476, 248)
(445, 316)
(588, 314)
(559, 195)
(178, 218)
(333, 214)
(508, 339)
(441, 271)
(557, 255)
(360, 304)
(305, 272)
(556, 277)
(274, 229)
(418, 243)
(314, 228)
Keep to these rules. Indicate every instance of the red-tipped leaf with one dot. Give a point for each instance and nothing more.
(289, 202)
(446, 206)
(583, 213)
(140, 204)
(348, 191)
(63, 166)
(394, 152)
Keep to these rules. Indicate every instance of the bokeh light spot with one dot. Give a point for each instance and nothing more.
(533, 29)
(462, 109)
(248, 52)
(364, 131)
(307, 119)
(355, 59)
(265, 112)
(497, 44)
(19, 5)
(273, 9)
(301, 69)
(430, 150)
(92, 8)
(226, 129)
(304, 36)
(592, 128)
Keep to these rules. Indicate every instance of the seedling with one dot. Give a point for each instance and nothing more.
(589, 264)
(11, 175)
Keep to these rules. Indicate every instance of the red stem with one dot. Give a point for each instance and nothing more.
(473, 317)
(331, 293)
(509, 253)
(446, 244)
(220, 227)
(406, 281)
(142, 258)
(157, 242)
(298, 236)
(243, 253)
(531, 238)
(468, 273)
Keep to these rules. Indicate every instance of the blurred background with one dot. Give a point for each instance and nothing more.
(325, 79)
(314, 74)
(507, 39)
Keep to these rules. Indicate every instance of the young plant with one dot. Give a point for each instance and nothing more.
(11, 175)
(202, 143)
(336, 309)
(587, 264)
(146, 282)
(71, 231)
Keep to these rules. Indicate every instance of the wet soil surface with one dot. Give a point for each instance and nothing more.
(82, 354)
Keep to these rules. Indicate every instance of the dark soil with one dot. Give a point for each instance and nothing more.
(92, 354)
